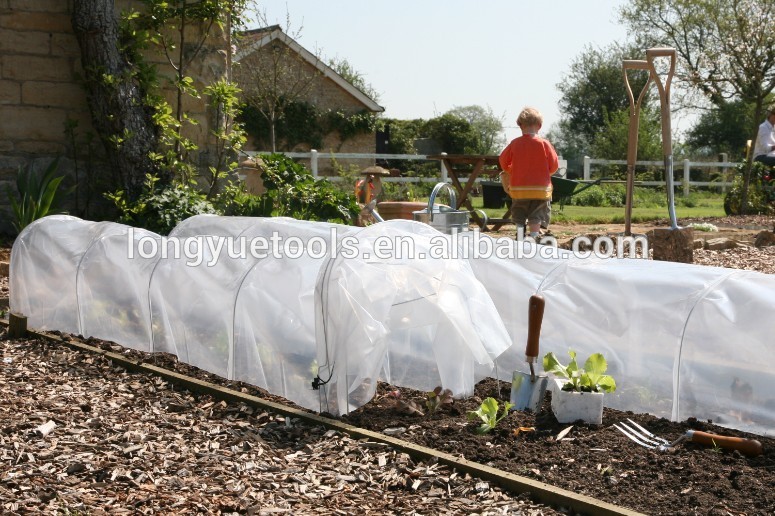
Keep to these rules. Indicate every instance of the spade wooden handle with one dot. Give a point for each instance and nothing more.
(664, 92)
(749, 447)
(535, 316)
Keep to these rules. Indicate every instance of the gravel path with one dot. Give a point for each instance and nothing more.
(129, 443)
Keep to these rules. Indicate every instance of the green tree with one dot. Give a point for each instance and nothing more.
(611, 142)
(350, 74)
(593, 91)
(485, 124)
(595, 87)
(726, 48)
(454, 134)
(723, 128)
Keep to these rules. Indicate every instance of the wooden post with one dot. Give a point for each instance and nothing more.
(17, 326)
(672, 245)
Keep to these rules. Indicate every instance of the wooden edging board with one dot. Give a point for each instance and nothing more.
(539, 491)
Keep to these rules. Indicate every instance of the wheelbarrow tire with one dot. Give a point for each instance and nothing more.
(731, 204)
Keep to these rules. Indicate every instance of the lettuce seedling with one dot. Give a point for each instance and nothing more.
(437, 398)
(488, 413)
(590, 379)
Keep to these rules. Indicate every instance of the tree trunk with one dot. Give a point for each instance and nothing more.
(749, 158)
(117, 107)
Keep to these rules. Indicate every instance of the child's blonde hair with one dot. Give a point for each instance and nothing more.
(530, 117)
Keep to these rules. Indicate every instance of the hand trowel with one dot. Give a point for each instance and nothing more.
(527, 390)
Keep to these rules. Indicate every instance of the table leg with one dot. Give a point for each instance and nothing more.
(469, 185)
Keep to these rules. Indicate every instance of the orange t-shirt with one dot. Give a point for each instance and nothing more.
(531, 161)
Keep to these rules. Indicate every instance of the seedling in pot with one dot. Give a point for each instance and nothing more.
(589, 379)
(488, 413)
(437, 398)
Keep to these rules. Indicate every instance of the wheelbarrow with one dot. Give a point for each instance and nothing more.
(563, 189)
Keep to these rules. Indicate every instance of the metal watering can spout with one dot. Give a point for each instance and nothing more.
(434, 193)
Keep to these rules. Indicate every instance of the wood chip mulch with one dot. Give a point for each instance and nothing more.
(81, 436)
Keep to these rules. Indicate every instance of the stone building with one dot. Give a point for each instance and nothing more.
(40, 67)
(271, 52)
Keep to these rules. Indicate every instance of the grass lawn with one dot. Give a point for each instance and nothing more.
(705, 207)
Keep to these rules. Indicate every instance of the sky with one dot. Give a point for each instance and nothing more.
(425, 57)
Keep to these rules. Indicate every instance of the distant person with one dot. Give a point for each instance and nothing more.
(530, 161)
(764, 150)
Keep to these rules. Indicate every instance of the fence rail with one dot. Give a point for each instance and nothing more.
(315, 156)
(686, 183)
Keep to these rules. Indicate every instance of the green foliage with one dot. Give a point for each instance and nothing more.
(590, 379)
(614, 196)
(350, 125)
(223, 98)
(724, 128)
(292, 191)
(38, 195)
(162, 26)
(454, 134)
(354, 77)
(485, 125)
(760, 193)
(612, 139)
(488, 414)
(438, 398)
(161, 207)
(594, 88)
(406, 191)
(302, 123)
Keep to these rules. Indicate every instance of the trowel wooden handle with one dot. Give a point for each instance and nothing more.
(749, 447)
(535, 316)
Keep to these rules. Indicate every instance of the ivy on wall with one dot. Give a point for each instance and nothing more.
(303, 123)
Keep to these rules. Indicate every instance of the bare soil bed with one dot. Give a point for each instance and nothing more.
(594, 460)
(130, 443)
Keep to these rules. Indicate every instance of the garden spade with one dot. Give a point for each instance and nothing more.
(664, 103)
(527, 390)
(632, 137)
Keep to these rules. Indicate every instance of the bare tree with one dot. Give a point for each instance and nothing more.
(274, 72)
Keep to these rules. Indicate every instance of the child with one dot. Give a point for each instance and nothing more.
(530, 160)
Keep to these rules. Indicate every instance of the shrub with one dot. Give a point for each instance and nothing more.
(292, 191)
(38, 195)
(759, 199)
(161, 208)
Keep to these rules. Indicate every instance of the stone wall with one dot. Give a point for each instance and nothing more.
(40, 68)
(324, 94)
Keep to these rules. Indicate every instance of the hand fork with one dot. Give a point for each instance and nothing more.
(643, 437)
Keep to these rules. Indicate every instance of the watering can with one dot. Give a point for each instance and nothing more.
(443, 218)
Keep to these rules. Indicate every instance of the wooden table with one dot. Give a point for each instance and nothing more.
(473, 165)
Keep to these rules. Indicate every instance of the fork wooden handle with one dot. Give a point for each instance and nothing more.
(749, 447)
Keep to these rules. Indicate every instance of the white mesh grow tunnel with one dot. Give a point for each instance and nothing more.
(681, 340)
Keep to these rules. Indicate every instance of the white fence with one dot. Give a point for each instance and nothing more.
(314, 157)
(686, 183)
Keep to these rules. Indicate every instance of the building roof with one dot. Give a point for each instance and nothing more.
(258, 38)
